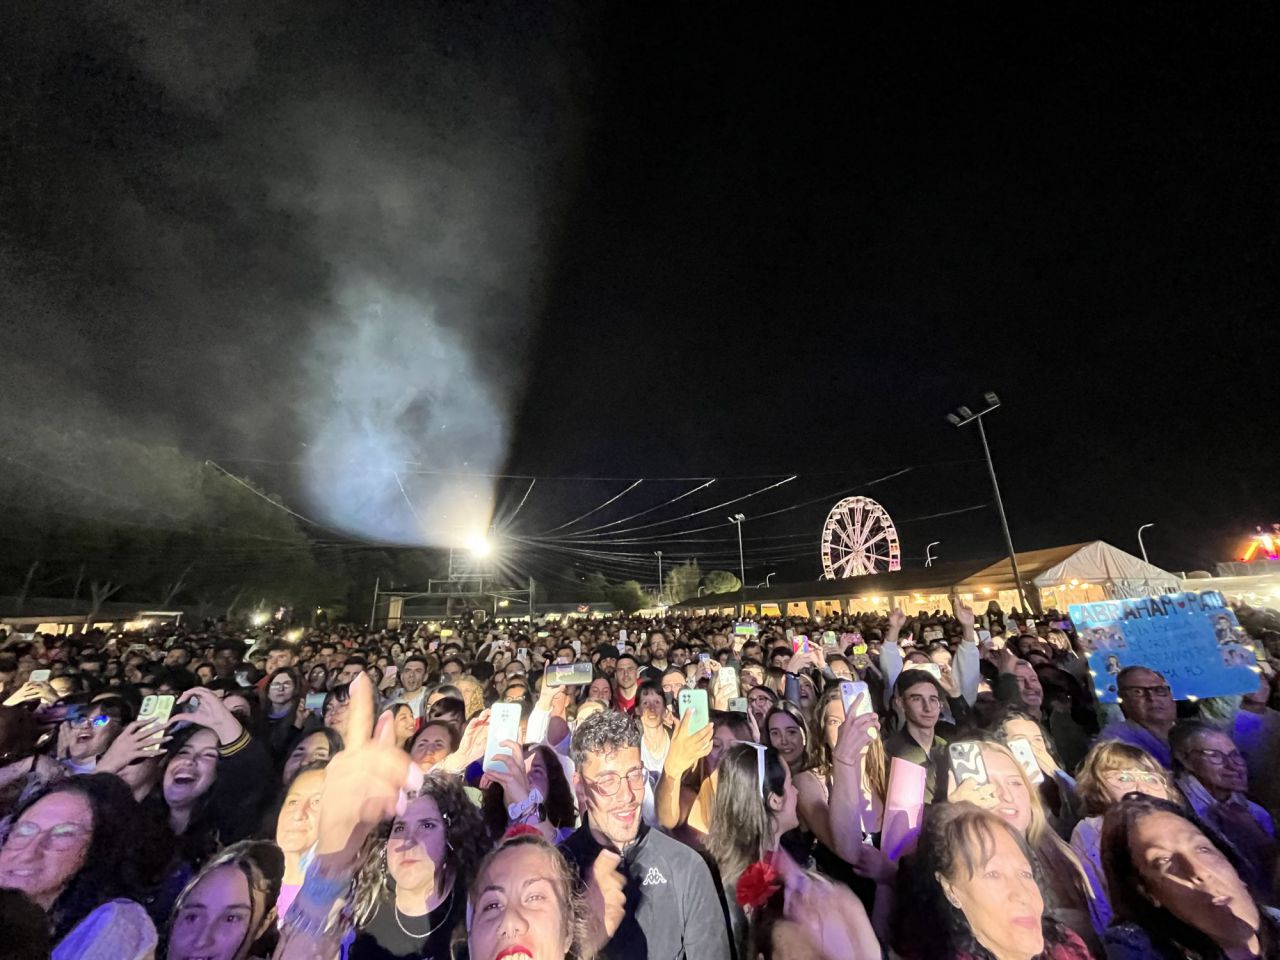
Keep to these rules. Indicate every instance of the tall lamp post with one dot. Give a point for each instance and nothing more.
(928, 557)
(737, 519)
(1142, 546)
(959, 418)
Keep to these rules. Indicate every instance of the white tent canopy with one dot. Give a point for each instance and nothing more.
(1119, 574)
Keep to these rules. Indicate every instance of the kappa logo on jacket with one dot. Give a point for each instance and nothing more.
(653, 878)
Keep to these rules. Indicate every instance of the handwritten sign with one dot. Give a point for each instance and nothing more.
(1193, 639)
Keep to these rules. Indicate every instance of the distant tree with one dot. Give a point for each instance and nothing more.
(720, 581)
(682, 582)
(627, 596)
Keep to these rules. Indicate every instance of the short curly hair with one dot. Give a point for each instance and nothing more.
(602, 733)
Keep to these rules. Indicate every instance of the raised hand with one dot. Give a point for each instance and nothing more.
(137, 741)
(208, 711)
(606, 897)
(897, 619)
(855, 734)
(514, 779)
(687, 748)
(365, 782)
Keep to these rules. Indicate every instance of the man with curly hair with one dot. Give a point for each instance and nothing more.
(672, 908)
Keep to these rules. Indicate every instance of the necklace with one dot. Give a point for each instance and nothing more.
(423, 936)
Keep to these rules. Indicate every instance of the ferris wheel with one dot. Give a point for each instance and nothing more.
(859, 538)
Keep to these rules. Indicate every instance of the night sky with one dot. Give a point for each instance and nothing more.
(674, 241)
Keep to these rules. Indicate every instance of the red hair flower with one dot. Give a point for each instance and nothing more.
(521, 830)
(757, 885)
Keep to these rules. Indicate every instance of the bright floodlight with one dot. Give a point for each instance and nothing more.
(479, 546)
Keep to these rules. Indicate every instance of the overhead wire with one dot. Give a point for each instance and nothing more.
(612, 499)
(642, 513)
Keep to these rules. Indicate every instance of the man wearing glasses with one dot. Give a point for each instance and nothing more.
(1149, 713)
(672, 908)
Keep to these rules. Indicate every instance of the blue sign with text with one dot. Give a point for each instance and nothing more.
(1193, 639)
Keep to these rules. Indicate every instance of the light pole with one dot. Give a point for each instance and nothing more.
(766, 579)
(959, 418)
(1142, 546)
(658, 554)
(737, 519)
(928, 558)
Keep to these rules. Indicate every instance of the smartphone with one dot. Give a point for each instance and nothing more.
(1025, 754)
(695, 700)
(315, 702)
(157, 708)
(390, 672)
(849, 690)
(704, 657)
(829, 639)
(728, 677)
(568, 674)
(543, 634)
(790, 633)
(859, 650)
(622, 636)
(932, 669)
(966, 763)
(577, 647)
(504, 724)
(523, 653)
(41, 676)
(800, 644)
(737, 704)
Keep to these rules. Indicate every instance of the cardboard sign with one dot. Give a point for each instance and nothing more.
(1193, 639)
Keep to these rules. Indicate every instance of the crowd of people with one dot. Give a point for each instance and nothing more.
(939, 785)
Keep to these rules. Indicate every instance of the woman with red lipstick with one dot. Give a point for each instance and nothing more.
(524, 906)
(973, 890)
(1176, 891)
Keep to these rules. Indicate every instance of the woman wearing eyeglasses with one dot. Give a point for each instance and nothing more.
(70, 849)
(1213, 776)
(89, 730)
(755, 804)
(1111, 771)
(281, 720)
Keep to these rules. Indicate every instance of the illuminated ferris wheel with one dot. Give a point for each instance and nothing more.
(859, 538)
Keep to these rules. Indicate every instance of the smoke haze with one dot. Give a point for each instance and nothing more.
(310, 236)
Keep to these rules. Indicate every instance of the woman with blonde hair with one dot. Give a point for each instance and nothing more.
(1111, 771)
(1008, 792)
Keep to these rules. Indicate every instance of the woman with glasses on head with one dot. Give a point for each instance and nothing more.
(534, 792)
(1177, 891)
(70, 849)
(755, 804)
(1111, 771)
(1213, 776)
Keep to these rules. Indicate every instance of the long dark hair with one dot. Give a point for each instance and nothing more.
(110, 868)
(558, 805)
(934, 926)
(1125, 883)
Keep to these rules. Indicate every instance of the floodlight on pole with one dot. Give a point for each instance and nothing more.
(737, 519)
(959, 418)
